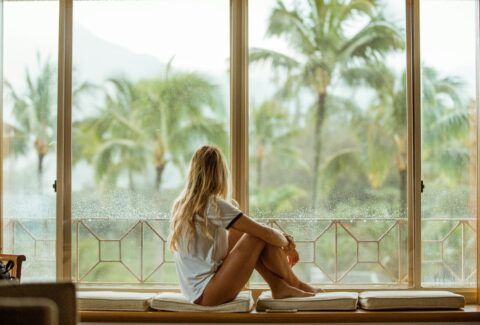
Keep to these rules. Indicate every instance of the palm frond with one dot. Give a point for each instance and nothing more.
(374, 40)
(290, 24)
(276, 59)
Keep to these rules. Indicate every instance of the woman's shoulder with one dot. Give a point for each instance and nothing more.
(220, 207)
(223, 203)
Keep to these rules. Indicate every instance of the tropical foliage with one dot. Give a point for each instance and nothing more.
(316, 31)
(272, 134)
(148, 124)
(34, 112)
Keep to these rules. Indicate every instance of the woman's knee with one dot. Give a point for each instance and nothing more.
(270, 250)
(252, 244)
(255, 241)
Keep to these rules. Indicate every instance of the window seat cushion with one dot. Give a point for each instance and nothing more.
(174, 301)
(385, 300)
(321, 301)
(114, 300)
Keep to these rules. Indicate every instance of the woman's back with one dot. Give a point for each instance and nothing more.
(198, 260)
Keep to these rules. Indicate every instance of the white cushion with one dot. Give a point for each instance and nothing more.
(321, 301)
(409, 299)
(113, 300)
(174, 301)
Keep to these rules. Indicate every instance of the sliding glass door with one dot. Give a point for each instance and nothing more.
(328, 135)
(30, 46)
(449, 142)
(149, 87)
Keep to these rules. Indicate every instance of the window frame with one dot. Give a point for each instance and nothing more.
(1, 127)
(477, 49)
(239, 108)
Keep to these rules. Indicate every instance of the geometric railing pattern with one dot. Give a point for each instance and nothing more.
(349, 251)
(449, 252)
(34, 238)
(336, 252)
(124, 251)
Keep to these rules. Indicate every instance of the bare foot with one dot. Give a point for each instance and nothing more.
(287, 291)
(308, 288)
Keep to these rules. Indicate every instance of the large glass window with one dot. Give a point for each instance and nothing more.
(328, 155)
(449, 142)
(29, 134)
(149, 87)
(327, 134)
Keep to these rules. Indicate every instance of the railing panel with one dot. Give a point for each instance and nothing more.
(333, 252)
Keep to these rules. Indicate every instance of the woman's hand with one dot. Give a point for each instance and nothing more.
(292, 257)
(291, 241)
(290, 251)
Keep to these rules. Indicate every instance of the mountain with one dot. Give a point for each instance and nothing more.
(95, 59)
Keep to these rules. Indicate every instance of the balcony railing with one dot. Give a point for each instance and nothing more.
(361, 251)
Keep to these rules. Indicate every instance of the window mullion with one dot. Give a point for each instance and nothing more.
(239, 100)
(1, 127)
(477, 49)
(64, 150)
(414, 142)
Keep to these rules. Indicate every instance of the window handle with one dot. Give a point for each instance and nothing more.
(422, 186)
(55, 186)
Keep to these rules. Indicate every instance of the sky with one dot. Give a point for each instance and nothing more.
(200, 40)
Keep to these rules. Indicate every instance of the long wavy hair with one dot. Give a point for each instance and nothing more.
(207, 177)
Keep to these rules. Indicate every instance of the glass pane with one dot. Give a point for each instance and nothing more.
(150, 86)
(328, 134)
(30, 46)
(449, 142)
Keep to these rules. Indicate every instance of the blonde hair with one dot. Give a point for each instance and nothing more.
(207, 177)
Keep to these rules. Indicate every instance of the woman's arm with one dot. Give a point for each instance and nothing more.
(267, 234)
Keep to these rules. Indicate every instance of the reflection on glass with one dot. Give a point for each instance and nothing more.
(148, 90)
(328, 135)
(449, 147)
(29, 134)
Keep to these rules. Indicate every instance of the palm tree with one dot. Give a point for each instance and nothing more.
(151, 123)
(317, 32)
(271, 133)
(113, 140)
(34, 111)
(444, 122)
(271, 137)
(182, 111)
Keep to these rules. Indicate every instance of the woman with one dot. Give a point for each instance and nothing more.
(204, 222)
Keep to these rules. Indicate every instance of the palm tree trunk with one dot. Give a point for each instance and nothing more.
(40, 163)
(158, 178)
(320, 117)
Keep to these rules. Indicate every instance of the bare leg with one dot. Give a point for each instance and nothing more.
(277, 284)
(276, 262)
(235, 271)
(275, 259)
(280, 288)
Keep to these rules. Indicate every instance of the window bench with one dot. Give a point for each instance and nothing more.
(471, 313)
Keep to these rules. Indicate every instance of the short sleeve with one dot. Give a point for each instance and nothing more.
(223, 214)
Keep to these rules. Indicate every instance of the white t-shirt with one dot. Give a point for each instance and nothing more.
(198, 264)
